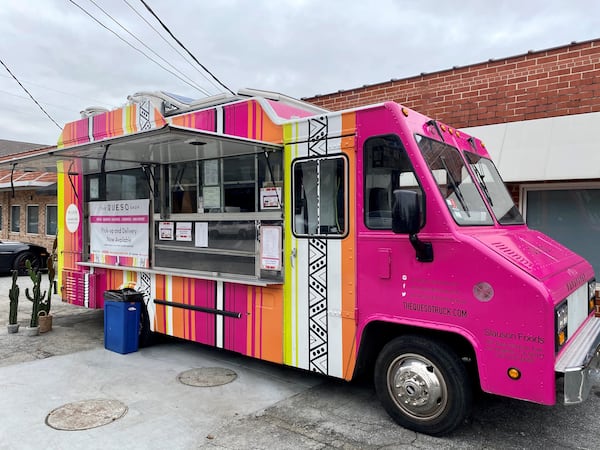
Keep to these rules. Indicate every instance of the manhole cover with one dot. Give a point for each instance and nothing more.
(85, 414)
(207, 376)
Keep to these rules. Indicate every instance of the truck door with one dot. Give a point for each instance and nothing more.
(386, 261)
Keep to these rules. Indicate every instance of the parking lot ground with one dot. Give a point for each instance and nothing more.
(265, 407)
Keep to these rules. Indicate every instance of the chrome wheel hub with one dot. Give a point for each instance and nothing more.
(417, 386)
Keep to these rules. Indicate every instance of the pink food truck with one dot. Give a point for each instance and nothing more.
(372, 240)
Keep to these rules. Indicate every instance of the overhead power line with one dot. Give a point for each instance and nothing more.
(184, 47)
(134, 47)
(31, 96)
(70, 94)
(175, 49)
(147, 47)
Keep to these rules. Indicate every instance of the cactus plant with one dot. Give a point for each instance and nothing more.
(36, 296)
(51, 275)
(13, 295)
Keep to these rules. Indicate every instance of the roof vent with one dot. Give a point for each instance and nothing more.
(92, 111)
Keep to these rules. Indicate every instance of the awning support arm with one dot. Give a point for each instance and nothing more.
(150, 178)
(70, 174)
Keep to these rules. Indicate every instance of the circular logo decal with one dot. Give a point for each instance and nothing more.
(483, 291)
(72, 218)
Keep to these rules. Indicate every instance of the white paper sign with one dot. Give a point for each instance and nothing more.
(270, 198)
(270, 248)
(183, 231)
(165, 231)
(201, 234)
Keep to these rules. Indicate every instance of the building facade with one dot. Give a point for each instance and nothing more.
(28, 207)
(537, 113)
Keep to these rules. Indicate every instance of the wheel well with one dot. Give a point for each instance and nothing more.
(377, 334)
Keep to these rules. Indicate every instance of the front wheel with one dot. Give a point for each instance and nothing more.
(423, 385)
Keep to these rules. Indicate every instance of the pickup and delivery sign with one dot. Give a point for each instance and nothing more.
(119, 232)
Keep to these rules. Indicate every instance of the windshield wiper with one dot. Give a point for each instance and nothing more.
(457, 190)
(482, 183)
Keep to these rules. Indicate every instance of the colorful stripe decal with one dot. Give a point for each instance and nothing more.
(127, 120)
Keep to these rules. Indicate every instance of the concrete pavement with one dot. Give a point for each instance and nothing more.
(162, 412)
(69, 364)
(266, 407)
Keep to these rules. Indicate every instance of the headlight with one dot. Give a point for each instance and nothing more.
(561, 320)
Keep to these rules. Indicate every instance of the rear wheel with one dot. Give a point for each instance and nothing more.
(423, 385)
(21, 258)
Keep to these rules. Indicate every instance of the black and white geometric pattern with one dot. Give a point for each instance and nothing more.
(317, 267)
(145, 123)
(143, 285)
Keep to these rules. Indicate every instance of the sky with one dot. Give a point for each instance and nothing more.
(73, 54)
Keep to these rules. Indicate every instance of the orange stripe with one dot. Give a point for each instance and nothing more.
(159, 316)
(177, 313)
(271, 305)
(349, 256)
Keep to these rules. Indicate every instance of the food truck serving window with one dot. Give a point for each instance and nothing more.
(216, 214)
(220, 216)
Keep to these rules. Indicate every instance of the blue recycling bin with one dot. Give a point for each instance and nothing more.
(122, 320)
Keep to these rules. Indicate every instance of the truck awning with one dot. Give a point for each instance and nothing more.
(166, 145)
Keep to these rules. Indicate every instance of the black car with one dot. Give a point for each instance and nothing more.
(13, 255)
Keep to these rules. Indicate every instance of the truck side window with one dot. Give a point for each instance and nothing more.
(386, 168)
(320, 197)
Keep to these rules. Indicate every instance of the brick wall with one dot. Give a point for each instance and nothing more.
(554, 82)
(23, 199)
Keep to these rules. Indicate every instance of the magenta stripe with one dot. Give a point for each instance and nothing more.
(119, 219)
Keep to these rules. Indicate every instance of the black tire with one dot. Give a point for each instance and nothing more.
(423, 385)
(19, 262)
(145, 335)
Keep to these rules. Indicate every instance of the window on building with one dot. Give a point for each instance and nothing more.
(15, 218)
(1, 222)
(51, 220)
(320, 197)
(33, 219)
(569, 215)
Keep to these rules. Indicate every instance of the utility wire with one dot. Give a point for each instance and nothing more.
(31, 96)
(132, 46)
(70, 94)
(184, 47)
(147, 47)
(43, 103)
(175, 49)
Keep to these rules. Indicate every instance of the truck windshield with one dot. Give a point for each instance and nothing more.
(454, 181)
(494, 189)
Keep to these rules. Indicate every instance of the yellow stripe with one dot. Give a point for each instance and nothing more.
(289, 356)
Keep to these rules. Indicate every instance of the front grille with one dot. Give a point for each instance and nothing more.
(578, 309)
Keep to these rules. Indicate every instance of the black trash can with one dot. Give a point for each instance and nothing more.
(122, 320)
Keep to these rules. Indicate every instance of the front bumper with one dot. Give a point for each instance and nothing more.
(580, 363)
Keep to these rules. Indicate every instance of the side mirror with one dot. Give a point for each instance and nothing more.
(406, 212)
(406, 219)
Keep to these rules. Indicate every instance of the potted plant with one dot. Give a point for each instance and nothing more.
(37, 298)
(13, 295)
(45, 318)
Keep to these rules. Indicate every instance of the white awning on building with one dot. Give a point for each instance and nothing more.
(556, 148)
